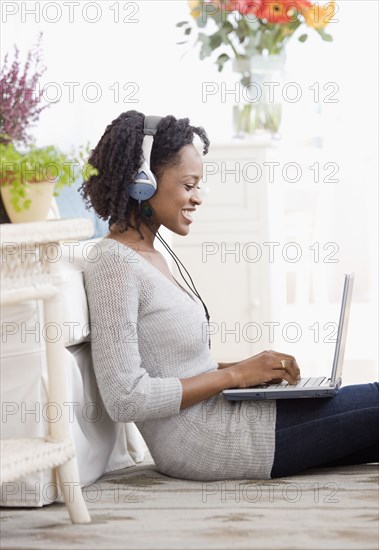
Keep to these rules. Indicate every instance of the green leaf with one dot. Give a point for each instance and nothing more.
(327, 37)
(205, 49)
(227, 27)
(324, 35)
(245, 80)
(221, 60)
(215, 40)
(241, 34)
(204, 38)
(303, 38)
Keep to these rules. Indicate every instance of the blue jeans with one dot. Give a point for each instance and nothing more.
(335, 431)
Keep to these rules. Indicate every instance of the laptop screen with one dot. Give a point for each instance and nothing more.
(342, 328)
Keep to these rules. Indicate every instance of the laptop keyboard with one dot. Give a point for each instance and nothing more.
(303, 383)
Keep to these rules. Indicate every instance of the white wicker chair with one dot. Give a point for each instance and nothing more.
(28, 272)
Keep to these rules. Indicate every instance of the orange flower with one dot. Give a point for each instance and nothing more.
(195, 6)
(283, 11)
(319, 16)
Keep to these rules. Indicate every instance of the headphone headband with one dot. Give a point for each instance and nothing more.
(149, 129)
(150, 125)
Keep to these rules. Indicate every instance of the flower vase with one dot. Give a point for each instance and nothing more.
(259, 111)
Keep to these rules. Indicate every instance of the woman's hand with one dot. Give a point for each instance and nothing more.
(265, 368)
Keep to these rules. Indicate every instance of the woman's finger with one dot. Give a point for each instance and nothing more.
(284, 376)
(288, 363)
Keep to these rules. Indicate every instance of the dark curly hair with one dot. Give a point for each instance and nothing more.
(118, 156)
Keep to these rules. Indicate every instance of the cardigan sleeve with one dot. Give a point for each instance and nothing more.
(129, 393)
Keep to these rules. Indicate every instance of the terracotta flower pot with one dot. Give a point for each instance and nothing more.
(40, 194)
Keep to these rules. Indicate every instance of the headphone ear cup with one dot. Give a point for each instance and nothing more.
(144, 185)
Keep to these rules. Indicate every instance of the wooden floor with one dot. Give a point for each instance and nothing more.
(138, 508)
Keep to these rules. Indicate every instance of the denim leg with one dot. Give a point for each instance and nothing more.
(364, 456)
(314, 432)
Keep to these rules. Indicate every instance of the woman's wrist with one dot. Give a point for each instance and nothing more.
(226, 365)
(203, 386)
(231, 379)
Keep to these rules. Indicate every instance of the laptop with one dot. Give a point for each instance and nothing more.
(306, 387)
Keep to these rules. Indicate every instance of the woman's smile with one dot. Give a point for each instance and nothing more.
(187, 214)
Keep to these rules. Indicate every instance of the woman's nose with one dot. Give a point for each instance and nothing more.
(196, 196)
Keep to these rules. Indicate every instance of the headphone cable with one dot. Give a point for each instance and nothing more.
(174, 256)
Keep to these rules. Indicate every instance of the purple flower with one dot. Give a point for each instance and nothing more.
(20, 96)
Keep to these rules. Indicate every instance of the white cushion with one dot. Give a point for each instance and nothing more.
(75, 307)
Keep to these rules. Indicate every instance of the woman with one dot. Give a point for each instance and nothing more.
(151, 361)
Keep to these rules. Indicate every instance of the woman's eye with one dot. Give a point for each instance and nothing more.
(189, 187)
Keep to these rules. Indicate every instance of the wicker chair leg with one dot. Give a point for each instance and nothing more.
(68, 475)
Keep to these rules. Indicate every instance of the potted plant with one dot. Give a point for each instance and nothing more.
(253, 34)
(31, 178)
(29, 175)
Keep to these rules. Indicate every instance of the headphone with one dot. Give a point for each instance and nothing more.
(145, 183)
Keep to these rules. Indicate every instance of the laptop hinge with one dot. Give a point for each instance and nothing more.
(334, 385)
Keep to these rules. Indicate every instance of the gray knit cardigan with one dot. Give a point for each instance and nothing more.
(147, 334)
